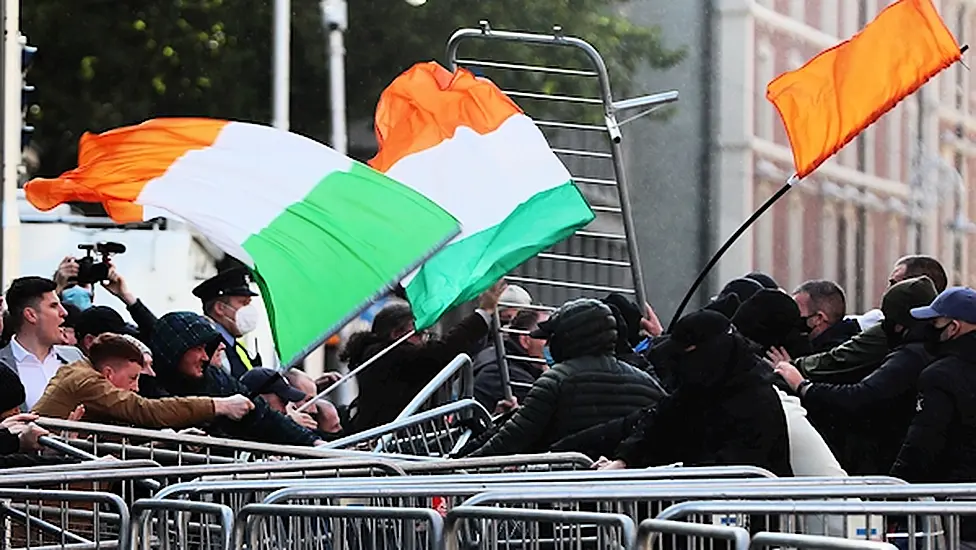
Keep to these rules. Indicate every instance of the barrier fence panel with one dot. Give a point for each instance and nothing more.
(928, 525)
(780, 540)
(492, 528)
(181, 524)
(688, 535)
(433, 433)
(294, 527)
(572, 103)
(546, 462)
(63, 519)
(453, 383)
(178, 449)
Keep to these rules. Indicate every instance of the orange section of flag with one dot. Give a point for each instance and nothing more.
(842, 91)
(425, 106)
(114, 166)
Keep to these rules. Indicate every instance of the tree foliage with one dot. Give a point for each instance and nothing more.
(103, 63)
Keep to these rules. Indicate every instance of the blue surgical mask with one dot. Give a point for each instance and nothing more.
(545, 353)
(78, 297)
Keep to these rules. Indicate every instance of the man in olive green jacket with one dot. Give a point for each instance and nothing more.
(856, 358)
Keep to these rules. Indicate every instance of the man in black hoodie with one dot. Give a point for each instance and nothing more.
(723, 412)
(585, 387)
(871, 417)
(182, 345)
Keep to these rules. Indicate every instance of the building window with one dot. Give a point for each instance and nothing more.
(764, 74)
(795, 233)
(765, 230)
(829, 242)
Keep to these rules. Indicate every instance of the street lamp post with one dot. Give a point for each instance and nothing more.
(335, 16)
(281, 62)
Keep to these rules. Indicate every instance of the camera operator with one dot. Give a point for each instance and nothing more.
(66, 279)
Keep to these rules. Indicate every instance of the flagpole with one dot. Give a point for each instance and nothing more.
(358, 369)
(790, 182)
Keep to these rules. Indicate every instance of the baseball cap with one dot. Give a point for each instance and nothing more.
(263, 380)
(693, 329)
(514, 294)
(956, 302)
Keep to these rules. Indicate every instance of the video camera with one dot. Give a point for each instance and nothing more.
(90, 271)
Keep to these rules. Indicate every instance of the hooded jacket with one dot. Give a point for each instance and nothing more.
(724, 411)
(587, 386)
(178, 332)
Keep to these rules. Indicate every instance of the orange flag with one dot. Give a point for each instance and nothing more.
(842, 91)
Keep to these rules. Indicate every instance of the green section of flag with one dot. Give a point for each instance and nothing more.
(466, 268)
(326, 257)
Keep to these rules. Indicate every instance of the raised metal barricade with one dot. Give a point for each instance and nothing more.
(651, 531)
(181, 524)
(508, 527)
(573, 105)
(434, 433)
(294, 527)
(454, 382)
(780, 540)
(78, 520)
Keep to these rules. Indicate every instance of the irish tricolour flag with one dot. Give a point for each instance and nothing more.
(461, 142)
(323, 234)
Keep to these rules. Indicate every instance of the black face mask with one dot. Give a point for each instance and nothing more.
(706, 365)
(933, 338)
(894, 338)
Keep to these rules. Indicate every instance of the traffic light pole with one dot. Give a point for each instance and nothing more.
(11, 152)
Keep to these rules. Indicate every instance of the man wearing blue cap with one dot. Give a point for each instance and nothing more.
(941, 444)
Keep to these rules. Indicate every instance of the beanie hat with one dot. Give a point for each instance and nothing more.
(901, 298)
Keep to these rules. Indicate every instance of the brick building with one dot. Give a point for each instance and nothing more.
(901, 187)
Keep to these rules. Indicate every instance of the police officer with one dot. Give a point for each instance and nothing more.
(226, 301)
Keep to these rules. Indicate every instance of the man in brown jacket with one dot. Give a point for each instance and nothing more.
(106, 386)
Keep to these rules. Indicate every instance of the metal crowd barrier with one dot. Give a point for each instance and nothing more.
(521, 528)
(279, 527)
(181, 524)
(454, 382)
(180, 449)
(38, 519)
(780, 540)
(650, 531)
(548, 462)
(434, 433)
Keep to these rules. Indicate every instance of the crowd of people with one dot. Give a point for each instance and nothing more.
(786, 381)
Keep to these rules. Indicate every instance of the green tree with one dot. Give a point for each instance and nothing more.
(103, 64)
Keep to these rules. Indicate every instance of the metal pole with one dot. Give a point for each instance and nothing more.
(496, 329)
(281, 61)
(13, 82)
(336, 16)
(728, 244)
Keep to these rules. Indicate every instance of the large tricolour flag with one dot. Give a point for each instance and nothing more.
(461, 142)
(323, 234)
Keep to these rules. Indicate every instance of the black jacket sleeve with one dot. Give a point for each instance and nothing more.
(926, 439)
(651, 442)
(424, 362)
(262, 424)
(896, 376)
(9, 443)
(600, 440)
(524, 430)
(143, 318)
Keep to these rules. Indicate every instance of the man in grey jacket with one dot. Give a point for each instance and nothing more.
(35, 352)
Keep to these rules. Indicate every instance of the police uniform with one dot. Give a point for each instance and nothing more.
(232, 282)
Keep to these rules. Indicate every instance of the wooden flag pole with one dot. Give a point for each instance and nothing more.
(728, 244)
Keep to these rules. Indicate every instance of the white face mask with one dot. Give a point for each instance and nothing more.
(246, 318)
